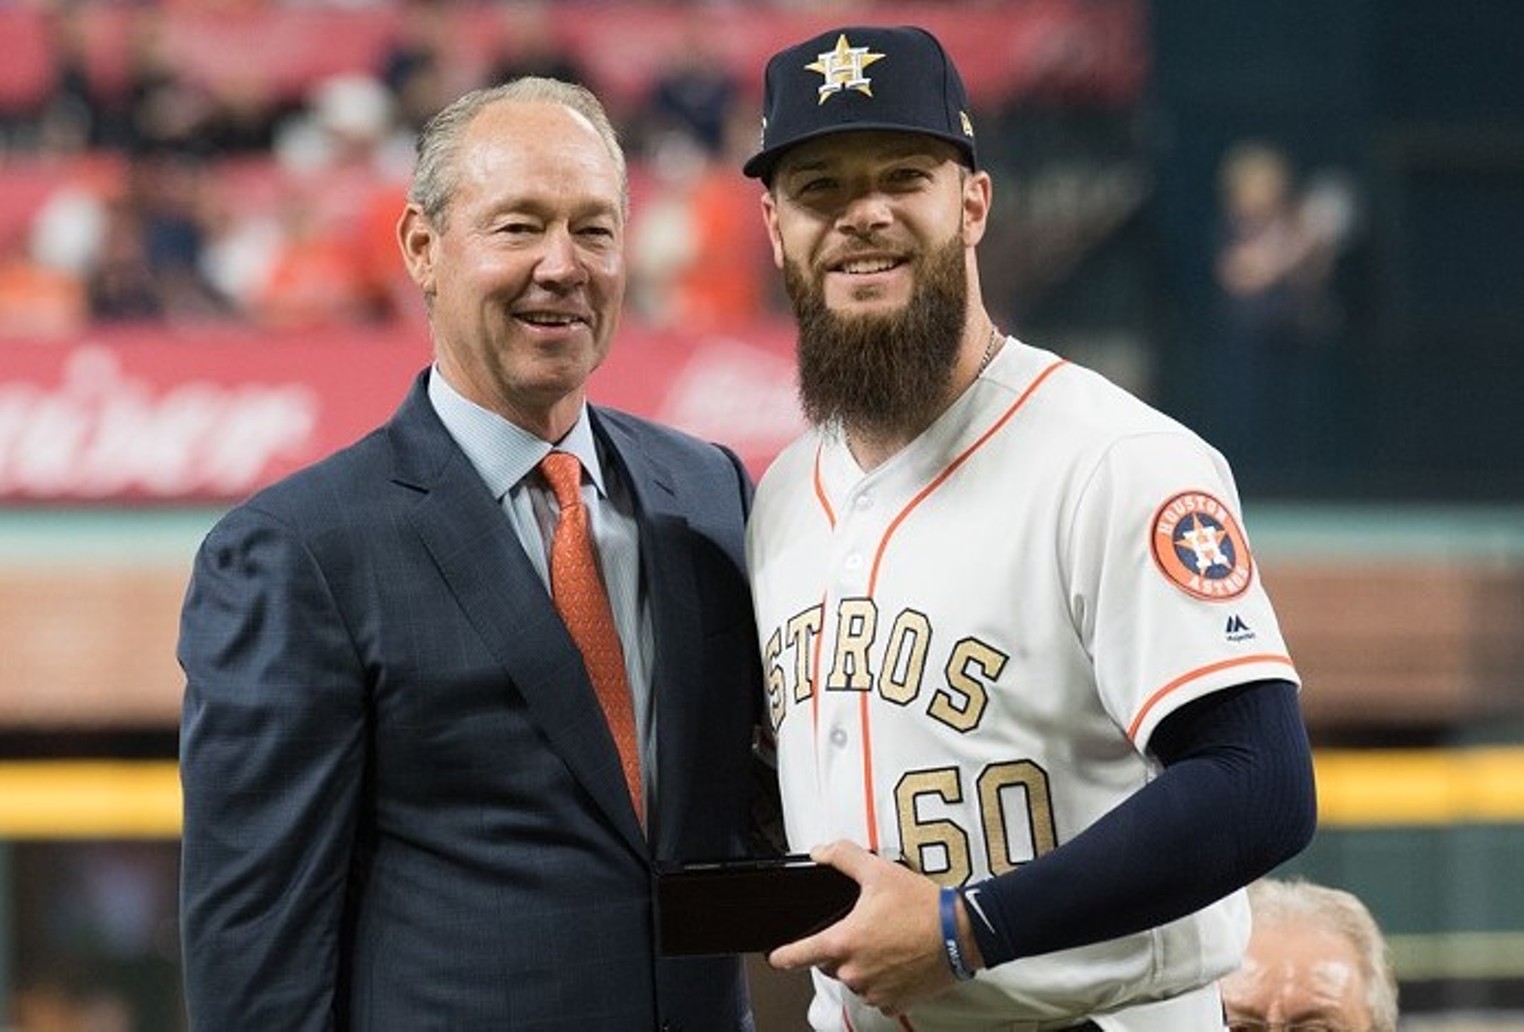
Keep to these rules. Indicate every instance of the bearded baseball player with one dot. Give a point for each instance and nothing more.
(1027, 688)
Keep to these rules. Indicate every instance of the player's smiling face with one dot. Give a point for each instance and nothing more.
(875, 232)
(859, 214)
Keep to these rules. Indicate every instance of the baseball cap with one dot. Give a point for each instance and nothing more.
(858, 78)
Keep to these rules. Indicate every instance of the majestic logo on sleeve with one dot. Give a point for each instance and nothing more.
(1198, 545)
(843, 69)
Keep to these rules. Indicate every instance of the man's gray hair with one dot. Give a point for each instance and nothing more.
(1341, 913)
(436, 175)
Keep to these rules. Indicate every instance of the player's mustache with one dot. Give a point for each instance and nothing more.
(865, 246)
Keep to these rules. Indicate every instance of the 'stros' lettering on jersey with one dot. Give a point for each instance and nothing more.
(952, 821)
(903, 665)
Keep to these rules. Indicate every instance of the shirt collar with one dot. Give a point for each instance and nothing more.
(502, 452)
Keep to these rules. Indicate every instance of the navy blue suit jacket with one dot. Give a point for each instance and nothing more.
(403, 808)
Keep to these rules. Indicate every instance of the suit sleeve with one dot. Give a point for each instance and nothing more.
(271, 764)
(765, 831)
(743, 479)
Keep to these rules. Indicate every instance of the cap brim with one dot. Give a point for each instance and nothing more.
(761, 164)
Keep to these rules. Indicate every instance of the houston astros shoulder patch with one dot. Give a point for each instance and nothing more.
(1198, 546)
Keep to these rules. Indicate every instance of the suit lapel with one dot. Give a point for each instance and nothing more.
(672, 592)
(501, 596)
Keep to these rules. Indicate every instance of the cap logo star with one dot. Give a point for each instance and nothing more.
(842, 69)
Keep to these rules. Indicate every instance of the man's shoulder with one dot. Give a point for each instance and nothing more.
(1086, 400)
(660, 440)
(347, 473)
(789, 471)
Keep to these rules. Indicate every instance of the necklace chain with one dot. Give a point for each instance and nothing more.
(992, 346)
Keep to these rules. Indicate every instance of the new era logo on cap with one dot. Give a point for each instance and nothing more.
(860, 78)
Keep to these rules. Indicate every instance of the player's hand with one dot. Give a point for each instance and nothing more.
(888, 949)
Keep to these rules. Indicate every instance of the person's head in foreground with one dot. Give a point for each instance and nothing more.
(1316, 962)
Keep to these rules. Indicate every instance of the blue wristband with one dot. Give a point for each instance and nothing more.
(948, 906)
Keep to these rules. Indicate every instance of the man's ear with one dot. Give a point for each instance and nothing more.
(417, 239)
(770, 219)
(977, 188)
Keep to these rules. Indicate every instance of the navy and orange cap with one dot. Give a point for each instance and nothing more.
(859, 78)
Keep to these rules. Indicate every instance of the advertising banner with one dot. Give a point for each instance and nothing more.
(149, 415)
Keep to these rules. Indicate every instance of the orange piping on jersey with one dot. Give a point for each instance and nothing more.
(830, 515)
(952, 467)
(878, 559)
(905, 1024)
(820, 494)
(815, 683)
(872, 815)
(1186, 678)
(846, 1019)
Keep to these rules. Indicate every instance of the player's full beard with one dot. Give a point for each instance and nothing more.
(881, 374)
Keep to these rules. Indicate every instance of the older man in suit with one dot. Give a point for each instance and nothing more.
(412, 798)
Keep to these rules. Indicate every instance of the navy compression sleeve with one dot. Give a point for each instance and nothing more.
(1236, 798)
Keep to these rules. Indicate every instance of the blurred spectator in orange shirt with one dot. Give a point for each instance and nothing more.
(697, 253)
(344, 167)
(36, 300)
(315, 278)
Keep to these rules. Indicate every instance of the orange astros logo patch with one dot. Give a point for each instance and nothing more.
(1197, 544)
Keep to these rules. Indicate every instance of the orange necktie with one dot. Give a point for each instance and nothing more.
(577, 589)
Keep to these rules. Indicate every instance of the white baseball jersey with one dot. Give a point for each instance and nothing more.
(968, 648)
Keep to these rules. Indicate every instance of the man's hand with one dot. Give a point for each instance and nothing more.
(888, 950)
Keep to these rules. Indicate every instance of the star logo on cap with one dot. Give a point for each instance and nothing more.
(843, 67)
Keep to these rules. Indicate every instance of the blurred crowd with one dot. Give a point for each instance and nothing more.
(246, 160)
(165, 193)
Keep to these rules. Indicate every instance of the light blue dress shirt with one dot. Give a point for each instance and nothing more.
(506, 457)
